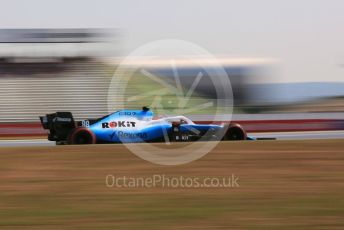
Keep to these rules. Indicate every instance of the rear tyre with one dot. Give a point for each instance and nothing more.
(235, 133)
(82, 136)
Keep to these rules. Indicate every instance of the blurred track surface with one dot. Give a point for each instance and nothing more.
(300, 135)
(277, 135)
(32, 142)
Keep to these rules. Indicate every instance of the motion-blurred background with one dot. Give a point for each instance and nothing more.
(284, 59)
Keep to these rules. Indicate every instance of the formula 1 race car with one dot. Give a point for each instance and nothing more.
(132, 126)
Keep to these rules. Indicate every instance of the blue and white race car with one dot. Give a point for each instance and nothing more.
(134, 126)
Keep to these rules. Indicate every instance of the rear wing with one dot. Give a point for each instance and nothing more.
(59, 124)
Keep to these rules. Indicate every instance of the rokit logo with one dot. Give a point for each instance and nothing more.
(114, 124)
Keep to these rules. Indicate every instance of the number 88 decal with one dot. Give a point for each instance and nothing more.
(85, 123)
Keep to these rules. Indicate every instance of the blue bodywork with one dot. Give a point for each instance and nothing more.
(128, 126)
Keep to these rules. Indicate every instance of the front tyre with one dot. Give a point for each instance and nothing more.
(235, 133)
(82, 136)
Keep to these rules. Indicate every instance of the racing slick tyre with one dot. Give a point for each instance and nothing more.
(235, 133)
(82, 136)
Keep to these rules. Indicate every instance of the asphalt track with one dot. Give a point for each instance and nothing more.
(277, 135)
(301, 135)
(28, 142)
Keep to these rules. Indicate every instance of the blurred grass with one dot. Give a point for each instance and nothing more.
(283, 184)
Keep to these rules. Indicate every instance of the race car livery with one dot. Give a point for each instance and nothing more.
(134, 126)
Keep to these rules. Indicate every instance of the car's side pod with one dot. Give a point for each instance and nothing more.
(59, 124)
(234, 132)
